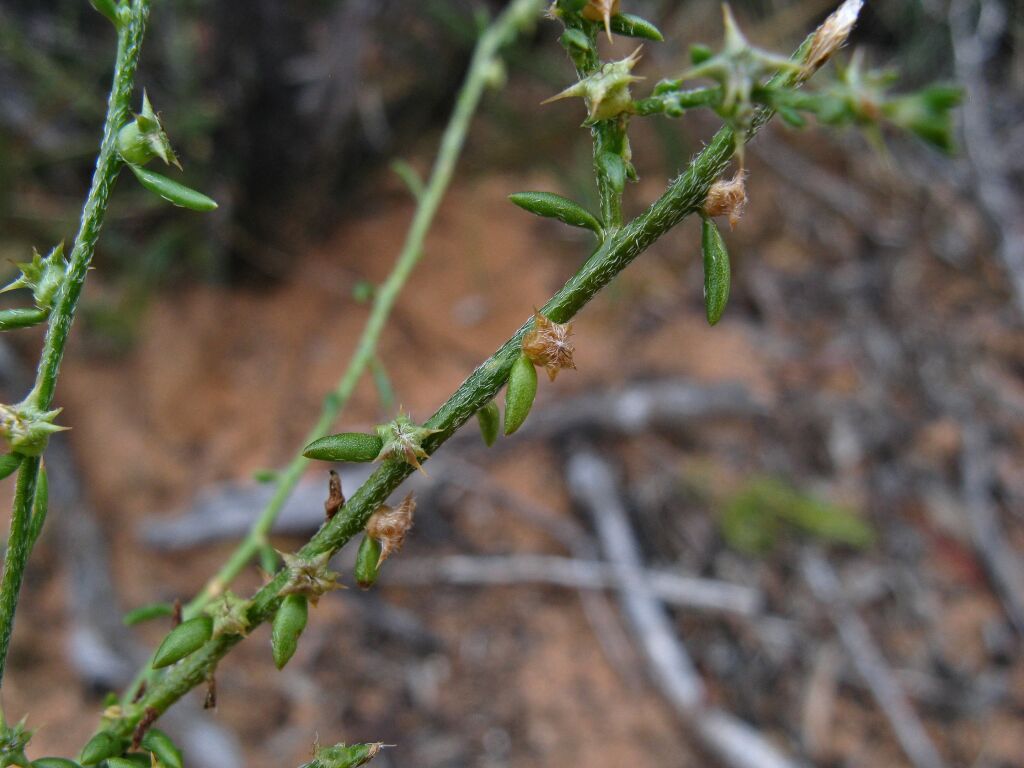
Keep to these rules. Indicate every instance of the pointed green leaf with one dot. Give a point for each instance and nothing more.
(100, 747)
(346, 446)
(108, 8)
(172, 191)
(11, 319)
(630, 25)
(716, 271)
(9, 462)
(489, 419)
(367, 562)
(186, 638)
(289, 621)
(522, 388)
(160, 744)
(147, 613)
(556, 207)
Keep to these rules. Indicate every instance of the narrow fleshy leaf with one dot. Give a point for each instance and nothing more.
(9, 462)
(489, 419)
(345, 446)
(716, 271)
(172, 191)
(630, 25)
(161, 745)
(555, 206)
(367, 562)
(146, 613)
(12, 319)
(522, 388)
(186, 638)
(289, 621)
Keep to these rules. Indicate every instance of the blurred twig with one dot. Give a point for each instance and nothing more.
(592, 484)
(870, 663)
(976, 27)
(670, 588)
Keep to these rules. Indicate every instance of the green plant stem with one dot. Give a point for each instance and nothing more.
(19, 546)
(504, 29)
(684, 196)
(519, 14)
(129, 43)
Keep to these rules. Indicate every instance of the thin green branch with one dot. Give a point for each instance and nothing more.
(684, 196)
(129, 44)
(518, 15)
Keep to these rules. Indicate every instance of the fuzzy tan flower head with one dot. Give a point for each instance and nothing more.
(547, 344)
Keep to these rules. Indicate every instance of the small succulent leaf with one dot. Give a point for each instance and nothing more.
(716, 271)
(172, 191)
(108, 8)
(289, 621)
(629, 25)
(9, 463)
(100, 747)
(161, 745)
(489, 420)
(367, 562)
(519, 395)
(147, 613)
(554, 206)
(345, 446)
(184, 639)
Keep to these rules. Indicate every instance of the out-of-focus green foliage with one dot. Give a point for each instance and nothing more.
(765, 509)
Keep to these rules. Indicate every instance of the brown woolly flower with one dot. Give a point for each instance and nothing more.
(831, 36)
(311, 578)
(389, 526)
(601, 10)
(547, 344)
(727, 198)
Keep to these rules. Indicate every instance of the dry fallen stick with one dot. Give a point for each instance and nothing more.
(731, 740)
(671, 588)
(990, 540)
(870, 663)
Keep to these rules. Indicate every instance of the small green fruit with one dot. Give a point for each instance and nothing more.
(54, 762)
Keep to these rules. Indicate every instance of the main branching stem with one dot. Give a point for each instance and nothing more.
(19, 545)
(503, 30)
(684, 196)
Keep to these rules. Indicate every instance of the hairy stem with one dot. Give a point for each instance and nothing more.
(519, 14)
(129, 44)
(684, 196)
(504, 29)
(19, 545)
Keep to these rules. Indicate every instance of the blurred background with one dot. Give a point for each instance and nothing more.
(810, 518)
